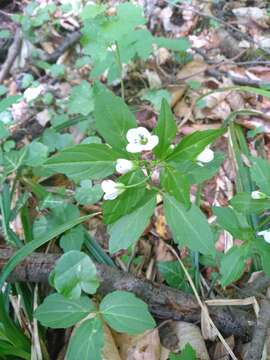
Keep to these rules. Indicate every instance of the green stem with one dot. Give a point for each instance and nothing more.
(119, 63)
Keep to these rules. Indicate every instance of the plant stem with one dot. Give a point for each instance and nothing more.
(119, 63)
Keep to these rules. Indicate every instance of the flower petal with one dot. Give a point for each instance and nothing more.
(142, 131)
(152, 142)
(206, 155)
(111, 196)
(134, 148)
(108, 186)
(132, 134)
(123, 166)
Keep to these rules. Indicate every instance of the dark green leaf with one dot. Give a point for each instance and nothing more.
(127, 230)
(87, 342)
(58, 312)
(188, 353)
(165, 129)
(36, 154)
(113, 119)
(128, 201)
(81, 99)
(176, 184)
(87, 194)
(233, 265)
(192, 145)
(126, 313)
(243, 203)
(180, 44)
(74, 272)
(189, 227)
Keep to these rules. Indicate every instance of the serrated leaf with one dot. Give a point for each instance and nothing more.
(94, 161)
(87, 342)
(58, 312)
(165, 129)
(74, 272)
(127, 230)
(189, 227)
(124, 312)
(260, 172)
(243, 203)
(176, 184)
(192, 145)
(113, 119)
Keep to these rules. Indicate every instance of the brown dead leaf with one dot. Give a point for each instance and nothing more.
(177, 92)
(194, 69)
(184, 333)
(220, 352)
(110, 351)
(140, 347)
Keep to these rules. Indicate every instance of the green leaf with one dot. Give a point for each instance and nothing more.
(197, 174)
(36, 154)
(113, 119)
(189, 227)
(4, 132)
(192, 145)
(188, 353)
(233, 265)
(87, 342)
(124, 312)
(243, 203)
(166, 129)
(14, 159)
(90, 11)
(127, 230)
(94, 161)
(174, 275)
(128, 201)
(176, 184)
(180, 44)
(81, 99)
(26, 250)
(58, 312)
(87, 194)
(8, 101)
(260, 173)
(72, 239)
(74, 272)
(233, 222)
(156, 96)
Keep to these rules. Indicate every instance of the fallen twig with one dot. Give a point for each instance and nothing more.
(11, 56)
(68, 42)
(164, 302)
(256, 346)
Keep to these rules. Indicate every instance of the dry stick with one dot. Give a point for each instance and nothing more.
(203, 306)
(70, 40)
(164, 302)
(12, 54)
(256, 346)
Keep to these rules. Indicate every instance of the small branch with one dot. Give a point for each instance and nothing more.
(256, 346)
(69, 41)
(12, 54)
(164, 302)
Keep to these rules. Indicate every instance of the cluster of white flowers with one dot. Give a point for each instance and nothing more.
(139, 140)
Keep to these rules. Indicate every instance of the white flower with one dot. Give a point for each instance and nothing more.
(112, 189)
(111, 48)
(123, 166)
(205, 156)
(33, 92)
(257, 195)
(265, 234)
(140, 139)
